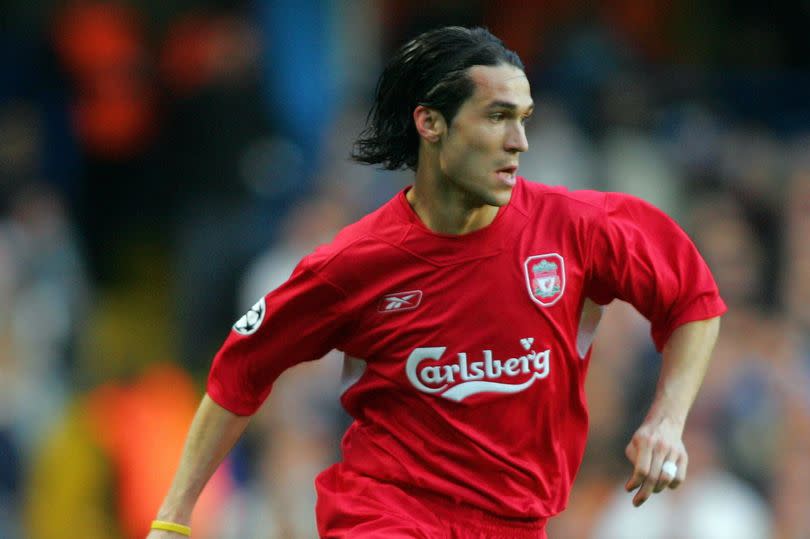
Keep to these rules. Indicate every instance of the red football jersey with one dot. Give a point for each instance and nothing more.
(472, 349)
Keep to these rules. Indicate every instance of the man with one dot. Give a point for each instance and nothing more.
(466, 307)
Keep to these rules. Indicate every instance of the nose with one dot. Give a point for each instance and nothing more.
(516, 140)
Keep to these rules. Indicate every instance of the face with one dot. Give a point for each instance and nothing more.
(479, 152)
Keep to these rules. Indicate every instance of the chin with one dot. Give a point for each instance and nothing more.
(505, 198)
(486, 193)
(499, 198)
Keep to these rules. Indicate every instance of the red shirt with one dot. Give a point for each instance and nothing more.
(475, 347)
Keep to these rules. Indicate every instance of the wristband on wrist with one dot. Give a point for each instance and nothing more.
(171, 527)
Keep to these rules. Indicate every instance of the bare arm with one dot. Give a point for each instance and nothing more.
(213, 433)
(659, 438)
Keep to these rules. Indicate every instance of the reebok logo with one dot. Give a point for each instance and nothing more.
(400, 301)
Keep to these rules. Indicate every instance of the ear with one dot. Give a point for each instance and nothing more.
(429, 123)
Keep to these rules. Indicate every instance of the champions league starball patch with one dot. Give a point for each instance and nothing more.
(252, 319)
(545, 278)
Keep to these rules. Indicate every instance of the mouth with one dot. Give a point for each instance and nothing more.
(507, 175)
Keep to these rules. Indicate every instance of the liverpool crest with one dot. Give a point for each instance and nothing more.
(545, 278)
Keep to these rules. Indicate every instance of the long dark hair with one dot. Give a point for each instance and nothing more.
(430, 70)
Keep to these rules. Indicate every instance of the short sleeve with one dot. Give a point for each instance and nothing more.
(640, 255)
(302, 320)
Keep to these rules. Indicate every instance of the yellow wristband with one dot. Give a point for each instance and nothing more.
(171, 527)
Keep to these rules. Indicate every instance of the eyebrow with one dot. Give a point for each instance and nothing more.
(508, 106)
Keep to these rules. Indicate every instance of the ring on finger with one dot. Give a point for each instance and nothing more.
(669, 468)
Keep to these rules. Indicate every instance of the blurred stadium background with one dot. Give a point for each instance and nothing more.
(162, 164)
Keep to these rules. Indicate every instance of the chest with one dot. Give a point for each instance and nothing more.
(515, 305)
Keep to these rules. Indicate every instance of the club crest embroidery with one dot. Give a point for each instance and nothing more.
(545, 278)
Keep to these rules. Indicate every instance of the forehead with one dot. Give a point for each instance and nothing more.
(500, 83)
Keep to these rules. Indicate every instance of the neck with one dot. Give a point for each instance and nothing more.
(446, 209)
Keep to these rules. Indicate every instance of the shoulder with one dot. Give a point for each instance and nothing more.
(540, 201)
(533, 194)
(599, 205)
(357, 245)
(628, 208)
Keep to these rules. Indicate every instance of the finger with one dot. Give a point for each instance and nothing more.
(652, 478)
(667, 476)
(641, 458)
(680, 477)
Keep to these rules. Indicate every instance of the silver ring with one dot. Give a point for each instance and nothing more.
(669, 468)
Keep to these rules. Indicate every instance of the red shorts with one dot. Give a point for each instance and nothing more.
(351, 506)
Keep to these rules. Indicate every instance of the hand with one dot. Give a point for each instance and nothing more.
(654, 443)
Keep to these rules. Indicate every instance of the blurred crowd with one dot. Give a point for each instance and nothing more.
(164, 164)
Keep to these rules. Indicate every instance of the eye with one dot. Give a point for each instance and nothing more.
(497, 116)
(525, 119)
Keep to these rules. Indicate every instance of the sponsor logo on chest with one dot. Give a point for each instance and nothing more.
(465, 376)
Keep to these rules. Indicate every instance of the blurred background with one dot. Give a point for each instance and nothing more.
(164, 164)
